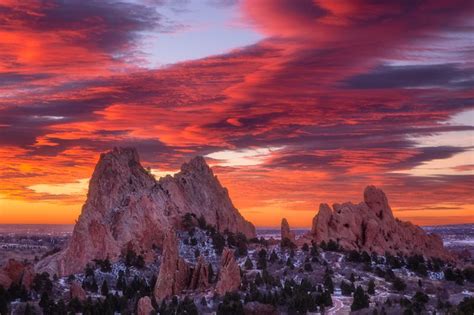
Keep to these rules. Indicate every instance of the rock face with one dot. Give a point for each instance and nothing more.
(144, 306)
(229, 274)
(286, 232)
(17, 272)
(200, 275)
(174, 271)
(127, 208)
(370, 226)
(77, 292)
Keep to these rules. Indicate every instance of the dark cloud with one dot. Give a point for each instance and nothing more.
(414, 76)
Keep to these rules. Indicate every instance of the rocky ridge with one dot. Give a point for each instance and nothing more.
(370, 226)
(126, 208)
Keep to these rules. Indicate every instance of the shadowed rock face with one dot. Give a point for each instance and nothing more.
(127, 208)
(370, 226)
(174, 271)
(229, 274)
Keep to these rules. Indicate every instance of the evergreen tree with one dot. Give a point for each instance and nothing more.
(346, 288)
(273, 257)
(231, 304)
(328, 284)
(361, 300)
(371, 287)
(121, 284)
(248, 264)
(262, 259)
(105, 288)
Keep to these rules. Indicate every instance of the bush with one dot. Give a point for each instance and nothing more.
(399, 284)
(231, 304)
(361, 300)
(262, 259)
(346, 288)
(248, 264)
(371, 287)
(134, 260)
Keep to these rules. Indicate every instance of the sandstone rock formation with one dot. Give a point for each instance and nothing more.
(17, 272)
(5, 280)
(127, 208)
(370, 226)
(174, 271)
(144, 306)
(286, 233)
(77, 292)
(200, 275)
(229, 274)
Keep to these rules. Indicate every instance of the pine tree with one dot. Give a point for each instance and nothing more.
(328, 284)
(371, 287)
(248, 264)
(361, 300)
(121, 284)
(105, 288)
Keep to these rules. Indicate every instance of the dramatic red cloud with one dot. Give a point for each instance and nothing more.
(336, 97)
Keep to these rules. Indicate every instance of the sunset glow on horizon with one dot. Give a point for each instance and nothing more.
(292, 103)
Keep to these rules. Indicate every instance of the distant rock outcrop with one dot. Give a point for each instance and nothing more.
(127, 208)
(286, 233)
(144, 306)
(370, 226)
(229, 274)
(174, 271)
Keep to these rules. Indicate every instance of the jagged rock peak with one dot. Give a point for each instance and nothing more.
(122, 154)
(370, 226)
(126, 208)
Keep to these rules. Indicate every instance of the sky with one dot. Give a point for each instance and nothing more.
(292, 102)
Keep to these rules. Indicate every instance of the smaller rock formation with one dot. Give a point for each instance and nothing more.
(174, 271)
(286, 233)
(229, 274)
(144, 306)
(5, 280)
(200, 275)
(370, 226)
(17, 272)
(77, 292)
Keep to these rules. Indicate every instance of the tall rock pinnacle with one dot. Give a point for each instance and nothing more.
(126, 208)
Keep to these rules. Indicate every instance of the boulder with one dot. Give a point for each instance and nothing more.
(144, 306)
(77, 292)
(127, 208)
(229, 273)
(370, 226)
(174, 271)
